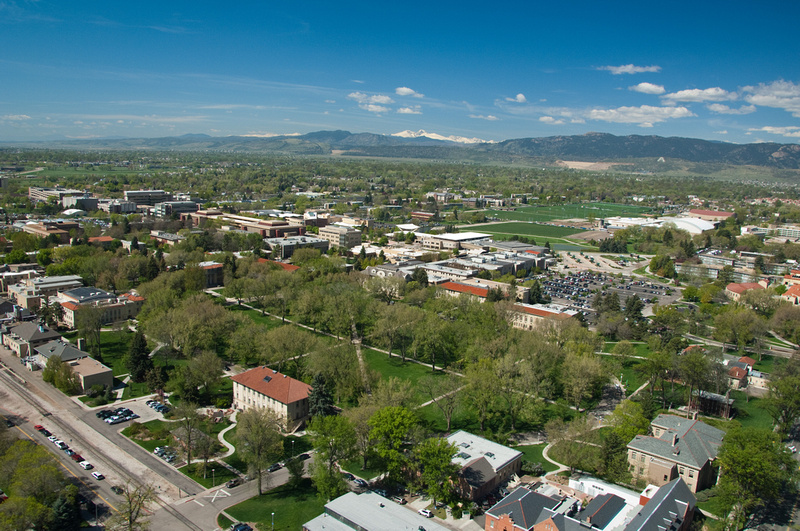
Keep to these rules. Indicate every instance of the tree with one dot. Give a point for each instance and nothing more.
(481, 389)
(443, 391)
(755, 468)
(628, 420)
(693, 368)
(66, 511)
(434, 462)
(207, 369)
(334, 440)
(138, 360)
(783, 400)
(390, 427)
(320, 399)
(89, 321)
(359, 419)
(135, 507)
(586, 375)
(259, 440)
(51, 313)
(514, 377)
(189, 425)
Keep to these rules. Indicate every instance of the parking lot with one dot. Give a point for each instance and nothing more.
(577, 290)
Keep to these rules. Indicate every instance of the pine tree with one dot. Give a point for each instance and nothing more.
(138, 361)
(320, 399)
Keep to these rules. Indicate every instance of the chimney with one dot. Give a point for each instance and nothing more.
(82, 344)
(674, 439)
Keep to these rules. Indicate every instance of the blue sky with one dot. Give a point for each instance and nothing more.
(727, 71)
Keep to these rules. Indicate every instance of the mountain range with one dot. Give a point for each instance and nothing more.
(589, 147)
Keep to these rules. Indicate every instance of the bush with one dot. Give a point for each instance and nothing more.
(222, 403)
(705, 495)
(533, 469)
(95, 390)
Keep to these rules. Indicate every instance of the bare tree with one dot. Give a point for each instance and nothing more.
(132, 512)
(189, 424)
(444, 393)
(259, 440)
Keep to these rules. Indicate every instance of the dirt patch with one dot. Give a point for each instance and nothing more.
(580, 165)
(595, 235)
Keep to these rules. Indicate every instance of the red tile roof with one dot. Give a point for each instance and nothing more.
(101, 239)
(737, 372)
(741, 288)
(748, 360)
(794, 291)
(541, 313)
(464, 288)
(273, 384)
(133, 297)
(70, 306)
(720, 213)
(285, 267)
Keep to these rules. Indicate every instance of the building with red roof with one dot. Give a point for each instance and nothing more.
(286, 267)
(735, 290)
(456, 288)
(792, 295)
(530, 316)
(709, 215)
(263, 387)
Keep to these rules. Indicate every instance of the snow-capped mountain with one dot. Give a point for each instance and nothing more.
(436, 136)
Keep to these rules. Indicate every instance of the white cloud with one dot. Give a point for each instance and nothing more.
(789, 131)
(330, 101)
(550, 120)
(519, 98)
(645, 115)
(723, 132)
(778, 94)
(630, 69)
(724, 109)
(370, 103)
(15, 117)
(701, 95)
(405, 91)
(648, 88)
(489, 117)
(409, 110)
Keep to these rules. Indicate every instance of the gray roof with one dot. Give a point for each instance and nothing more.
(33, 332)
(696, 444)
(369, 512)
(83, 295)
(66, 351)
(526, 508)
(666, 509)
(602, 510)
(478, 472)
(471, 447)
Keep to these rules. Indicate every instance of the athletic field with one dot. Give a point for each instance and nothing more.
(570, 211)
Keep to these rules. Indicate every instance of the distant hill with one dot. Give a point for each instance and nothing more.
(590, 147)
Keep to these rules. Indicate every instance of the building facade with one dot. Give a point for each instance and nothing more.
(263, 387)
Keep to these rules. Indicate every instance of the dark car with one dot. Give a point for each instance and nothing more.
(117, 489)
(273, 468)
(360, 483)
(46, 433)
(233, 483)
(77, 458)
(303, 457)
(348, 476)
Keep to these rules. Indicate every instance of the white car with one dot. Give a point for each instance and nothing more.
(86, 465)
(52, 438)
(98, 475)
(426, 513)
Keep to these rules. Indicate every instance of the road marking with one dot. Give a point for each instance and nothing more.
(219, 493)
(198, 503)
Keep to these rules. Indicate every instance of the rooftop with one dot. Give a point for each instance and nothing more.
(471, 447)
(273, 384)
(696, 442)
(369, 512)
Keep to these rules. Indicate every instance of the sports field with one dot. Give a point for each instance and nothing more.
(528, 229)
(570, 211)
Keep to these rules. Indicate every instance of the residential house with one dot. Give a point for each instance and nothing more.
(485, 465)
(678, 447)
(267, 388)
(734, 290)
(23, 338)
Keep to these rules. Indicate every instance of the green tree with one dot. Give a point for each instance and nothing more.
(189, 425)
(434, 463)
(320, 399)
(783, 400)
(89, 321)
(755, 469)
(138, 360)
(443, 391)
(628, 420)
(334, 440)
(259, 441)
(390, 427)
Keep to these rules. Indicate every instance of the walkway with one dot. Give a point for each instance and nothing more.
(561, 467)
(221, 437)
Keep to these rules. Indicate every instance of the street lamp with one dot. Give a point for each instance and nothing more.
(273, 521)
(292, 447)
(213, 478)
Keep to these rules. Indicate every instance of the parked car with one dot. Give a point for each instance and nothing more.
(116, 489)
(426, 513)
(233, 483)
(360, 483)
(52, 438)
(86, 465)
(77, 458)
(348, 476)
(98, 476)
(274, 467)
(38, 427)
(46, 433)
(399, 499)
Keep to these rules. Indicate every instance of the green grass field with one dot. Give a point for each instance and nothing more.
(394, 367)
(570, 211)
(533, 453)
(292, 507)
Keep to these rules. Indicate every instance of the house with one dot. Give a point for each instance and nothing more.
(368, 511)
(737, 378)
(267, 388)
(734, 291)
(485, 465)
(23, 338)
(64, 350)
(792, 295)
(678, 447)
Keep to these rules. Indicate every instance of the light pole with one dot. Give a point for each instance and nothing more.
(273, 521)
(292, 447)
(213, 478)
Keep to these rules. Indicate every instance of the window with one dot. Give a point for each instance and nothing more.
(681, 471)
(691, 473)
(665, 477)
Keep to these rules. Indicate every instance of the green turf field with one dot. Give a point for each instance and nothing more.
(577, 210)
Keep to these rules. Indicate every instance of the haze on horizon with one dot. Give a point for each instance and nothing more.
(146, 69)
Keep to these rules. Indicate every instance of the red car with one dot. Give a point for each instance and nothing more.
(38, 427)
(77, 458)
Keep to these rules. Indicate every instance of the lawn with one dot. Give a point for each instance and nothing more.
(292, 507)
(533, 454)
(769, 364)
(255, 315)
(215, 474)
(751, 413)
(394, 367)
(640, 348)
(373, 470)
(568, 211)
(530, 229)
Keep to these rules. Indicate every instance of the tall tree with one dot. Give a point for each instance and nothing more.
(89, 321)
(443, 391)
(390, 428)
(189, 425)
(482, 388)
(755, 469)
(259, 440)
(359, 419)
(320, 399)
(135, 507)
(138, 360)
(334, 440)
(434, 460)
(783, 400)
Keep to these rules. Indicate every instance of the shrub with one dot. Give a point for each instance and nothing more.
(222, 403)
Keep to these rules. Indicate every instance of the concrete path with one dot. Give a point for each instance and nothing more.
(561, 467)
(221, 437)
